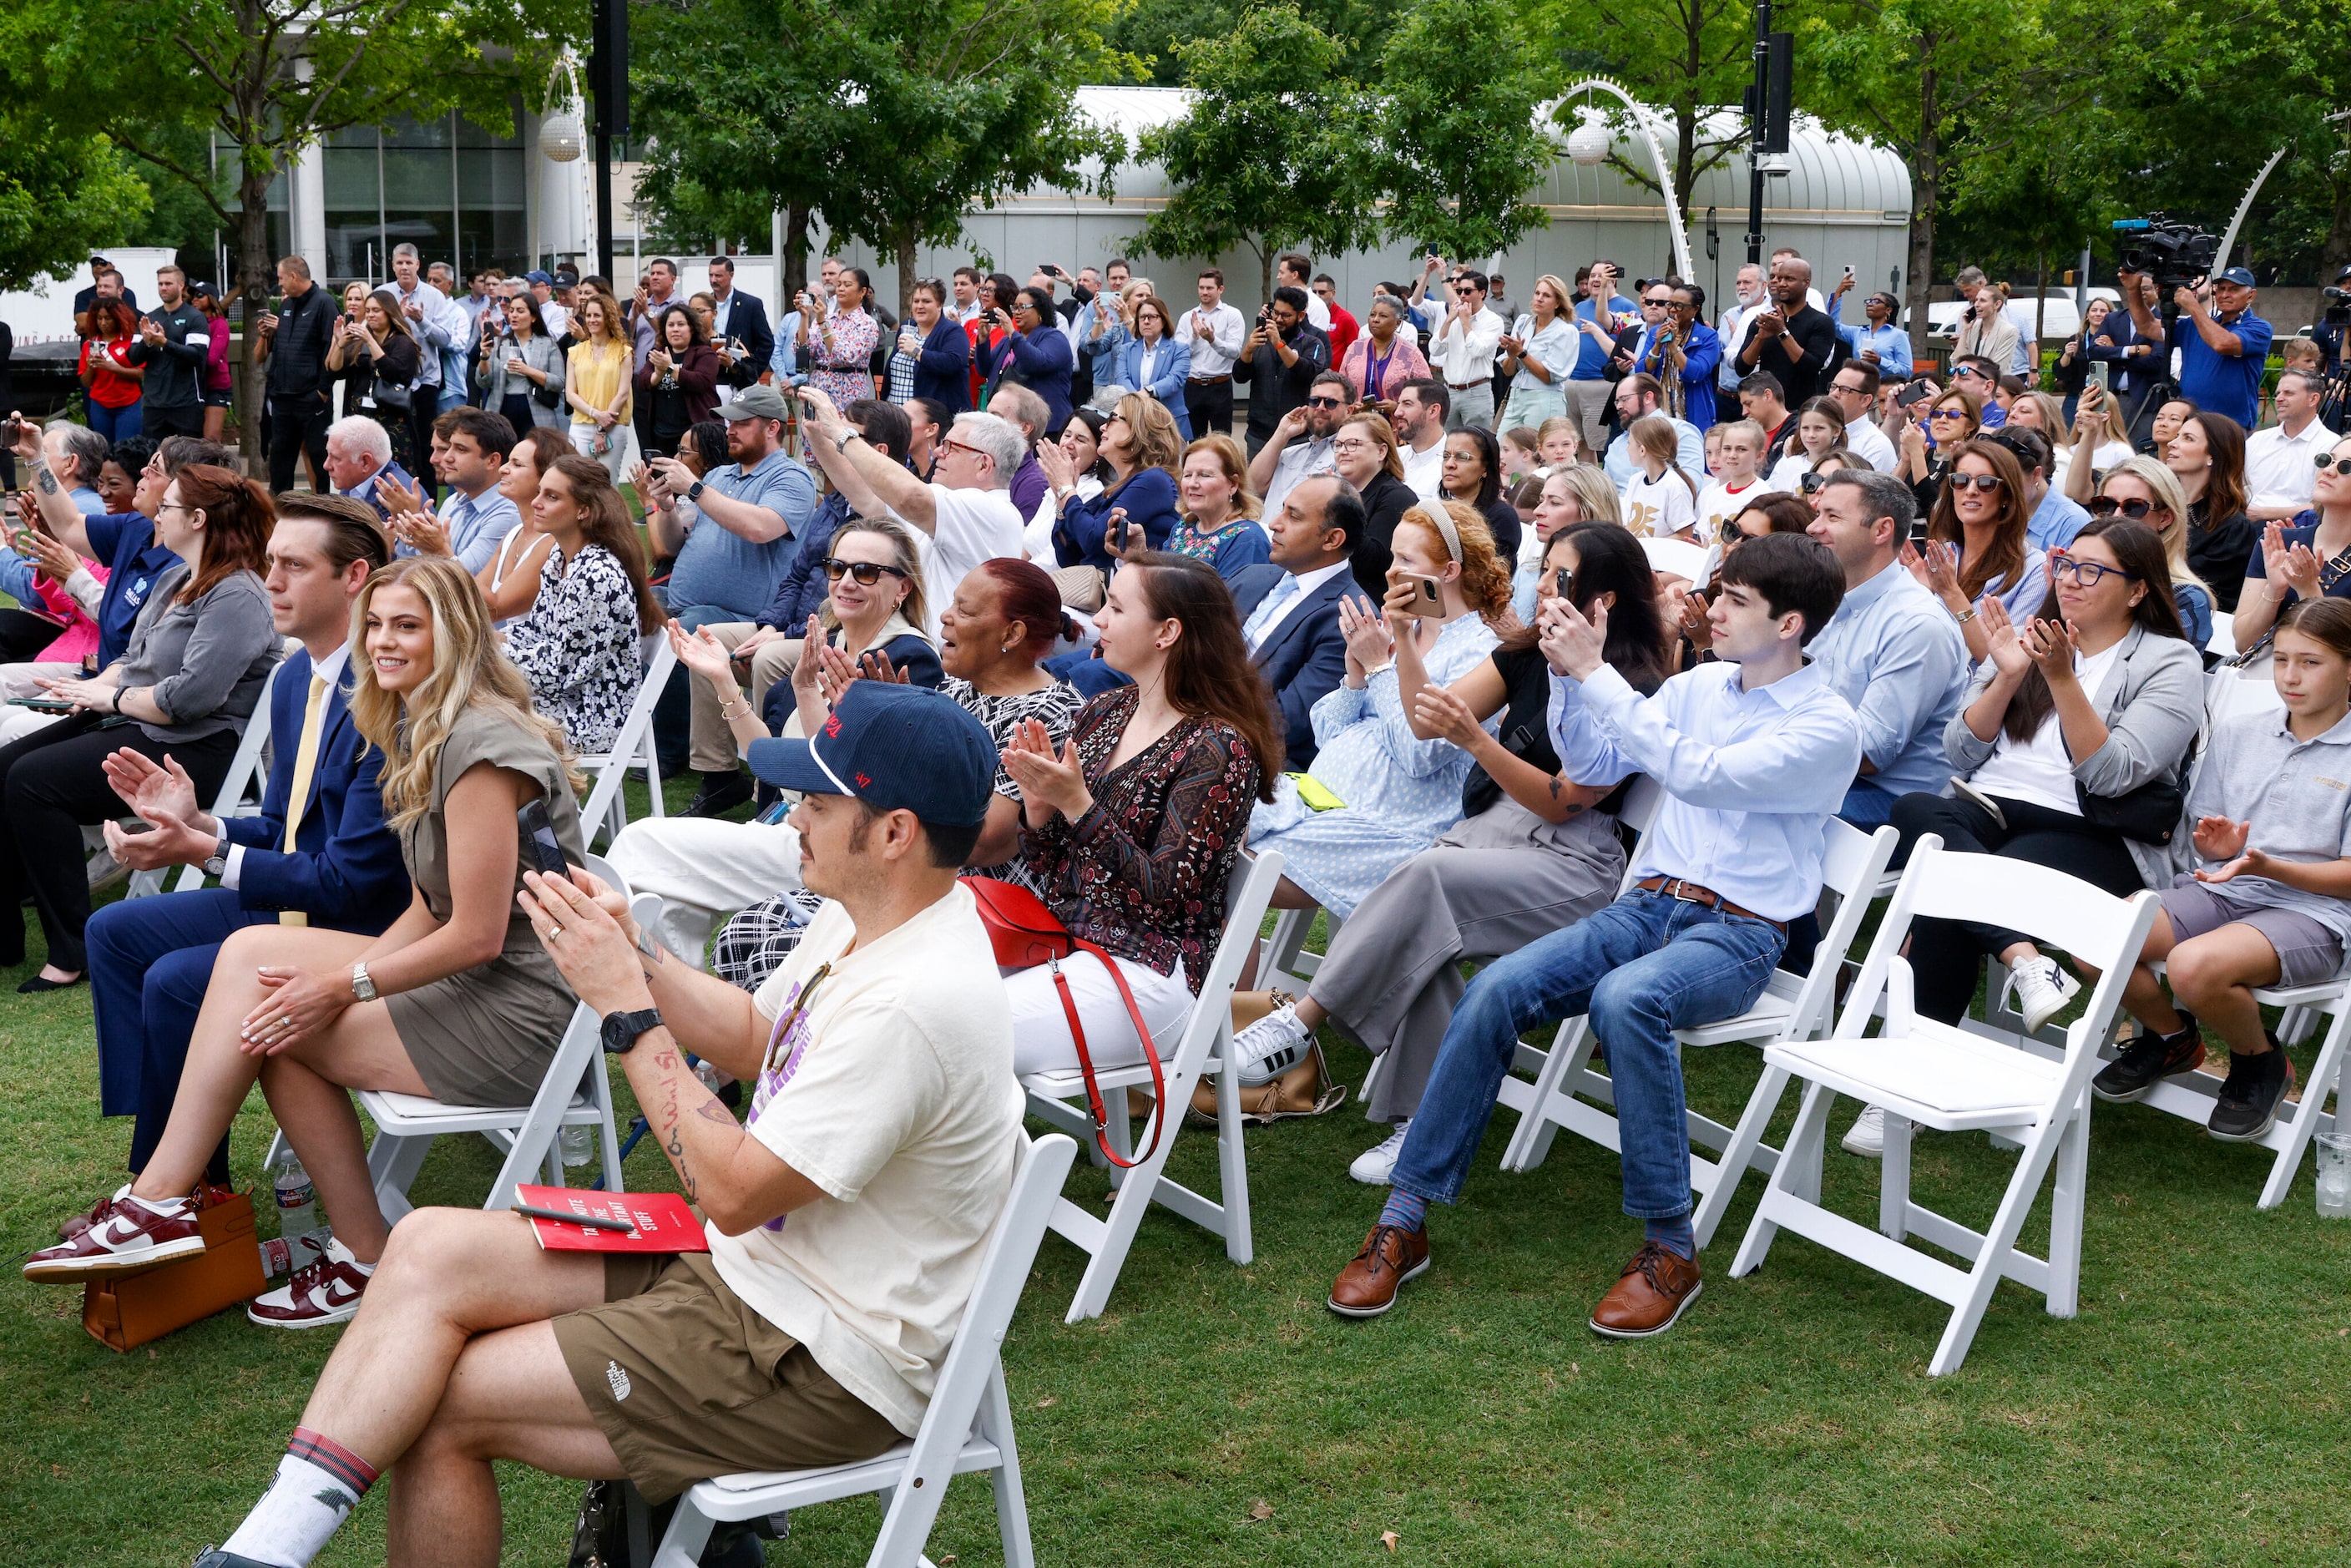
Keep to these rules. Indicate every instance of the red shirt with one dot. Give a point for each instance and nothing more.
(106, 388)
(1344, 329)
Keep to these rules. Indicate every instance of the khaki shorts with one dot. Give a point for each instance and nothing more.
(687, 1381)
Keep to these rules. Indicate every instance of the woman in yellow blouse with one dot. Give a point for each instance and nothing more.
(596, 384)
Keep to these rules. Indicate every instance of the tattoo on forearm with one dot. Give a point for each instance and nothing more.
(47, 481)
(712, 1110)
(1554, 789)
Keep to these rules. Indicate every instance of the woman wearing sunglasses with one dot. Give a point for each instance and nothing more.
(2141, 490)
(871, 624)
(2095, 696)
(1976, 549)
(2302, 559)
(1944, 421)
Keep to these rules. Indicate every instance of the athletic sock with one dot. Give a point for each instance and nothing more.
(318, 1483)
(1406, 1209)
(1674, 1235)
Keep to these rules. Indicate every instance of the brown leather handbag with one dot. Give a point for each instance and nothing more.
(1305, 1090)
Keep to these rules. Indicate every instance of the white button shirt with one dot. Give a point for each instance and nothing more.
(2282, 470)
(1465, 356)
(1216, 354)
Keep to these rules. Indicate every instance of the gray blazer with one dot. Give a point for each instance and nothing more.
(541, 353)
(2153, 710)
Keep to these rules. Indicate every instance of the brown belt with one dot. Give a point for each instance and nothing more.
(1206, 381)
(1705, 897)
(1464, 386)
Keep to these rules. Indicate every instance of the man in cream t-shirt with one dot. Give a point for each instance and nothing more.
(846, 1218)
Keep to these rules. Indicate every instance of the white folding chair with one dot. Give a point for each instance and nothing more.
(1793, 1007)
(2229, 692)
(1952, 1079)
(607, 810)
(576, 1091)
(1679, 557)
(1058, 1098)
(967, 1429)
(244, 774)
(2222, 644)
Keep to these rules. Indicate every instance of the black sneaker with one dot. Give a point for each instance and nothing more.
(719, 794)
(2146, 1062)
(2256, 1087)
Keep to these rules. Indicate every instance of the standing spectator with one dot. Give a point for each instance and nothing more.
(1977, 548)
(1281, 361)
(1343, 328)
(1538, 351)
(1793, 342)
(1747, 302)
(175, 347)
(438, 327)
(2220, 342)
(1034, 352)
(378, 358)
(105, 282)
(578, 646)
(1881, 345)
(677, 384)
(1597, 316)
(1216, 334)
(657, 292)
(1380, 361)
(1421, 405)
(1462, 350)
(740, 317)
(1299, 444)
(600, 387)
(1292, 271)
(2280, 460)
(1690, 353)
(219, 381)
(2073, 358)
(1985, 329)
(522, 375)
(1155, 361)
(109, 376)
(2208, 457)
(940, 352)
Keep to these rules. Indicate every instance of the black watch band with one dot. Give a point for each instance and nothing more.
(621, 1030)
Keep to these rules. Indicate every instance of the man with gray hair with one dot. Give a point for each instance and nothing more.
(76, 453)
(966, 511)
(359, 460)
(1028, 415)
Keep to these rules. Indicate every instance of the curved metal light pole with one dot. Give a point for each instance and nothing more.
(2229, 239)
(1641, 127)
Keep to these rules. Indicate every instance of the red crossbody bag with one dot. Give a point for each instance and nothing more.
(1025, 934)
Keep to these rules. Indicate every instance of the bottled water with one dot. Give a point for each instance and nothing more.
(298, 1209)
(2333, 1174)
(578, 1145)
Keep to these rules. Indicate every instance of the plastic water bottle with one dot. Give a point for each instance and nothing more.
(298, 1209)
(578, 1145)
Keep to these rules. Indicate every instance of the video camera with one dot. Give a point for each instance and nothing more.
(2173, 254)
(2339, 306)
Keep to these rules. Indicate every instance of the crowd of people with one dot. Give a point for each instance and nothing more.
(995, 593)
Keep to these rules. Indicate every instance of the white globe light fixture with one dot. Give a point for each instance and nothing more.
(1588, 143)
(563, 134)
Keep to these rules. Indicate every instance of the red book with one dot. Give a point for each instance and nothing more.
(661, 1221)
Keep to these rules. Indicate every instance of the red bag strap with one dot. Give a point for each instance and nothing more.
(1086, 1061)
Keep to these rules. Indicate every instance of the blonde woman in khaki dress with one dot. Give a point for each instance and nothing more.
(457, 1000)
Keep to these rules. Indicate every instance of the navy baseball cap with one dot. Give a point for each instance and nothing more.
(2242, 277)
(535, 275)
(895, 748)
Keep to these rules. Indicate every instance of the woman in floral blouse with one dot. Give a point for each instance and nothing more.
(1132, 827)
(578, 645)
(838, 345)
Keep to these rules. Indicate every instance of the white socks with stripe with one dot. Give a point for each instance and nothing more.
(318, 1483)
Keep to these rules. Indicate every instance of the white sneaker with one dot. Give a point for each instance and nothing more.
(2042, 989)
(1866, 1140)
(1373, 1168)
(1271, 1047)
(327, 1291)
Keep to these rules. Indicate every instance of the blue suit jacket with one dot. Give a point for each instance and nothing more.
(1042, 362)
(346, 870)
(1175, 367)
(1305, 659)
(942, 369)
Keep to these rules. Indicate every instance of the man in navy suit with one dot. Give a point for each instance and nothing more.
(1290, 607)
(325, 857)
(737, 316)
(1035, 354)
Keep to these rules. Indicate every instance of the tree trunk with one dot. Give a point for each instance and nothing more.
(902, 242)
(256, 273)
(1925, 189)
(2040, 316)
(1264, 270)
(794, 261)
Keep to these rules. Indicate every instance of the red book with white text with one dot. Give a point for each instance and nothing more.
(662, 1220)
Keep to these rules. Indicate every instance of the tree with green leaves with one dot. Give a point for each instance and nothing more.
(1271, 153)
(1685, 59)
(65, 188)
(1458, 144)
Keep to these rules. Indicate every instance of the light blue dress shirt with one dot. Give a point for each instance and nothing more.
(1892, 343)
(2055, 521)
(1893, 653)
(476, 525)
(1750, 778)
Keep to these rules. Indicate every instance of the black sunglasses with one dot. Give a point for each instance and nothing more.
(1326, 403)
(1987, 482)
(1811, 482)
(866, 572)
(1660, 302)
(2107, 507)
(2328, 460)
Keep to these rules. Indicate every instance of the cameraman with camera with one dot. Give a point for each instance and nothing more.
(2222, 343)
(2332, 332)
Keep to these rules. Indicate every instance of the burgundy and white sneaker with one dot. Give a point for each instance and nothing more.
(82, 1222)
(123, 1235)
(327, 1291)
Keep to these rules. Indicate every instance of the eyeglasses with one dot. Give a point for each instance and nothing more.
(2328, 460)
(1987, 482)
(2107, 507)
(2088, 573)
(866, 572)
(1661, 304)
(1353, 445)
(1947, 413)
(952, 446)
(1326, 403)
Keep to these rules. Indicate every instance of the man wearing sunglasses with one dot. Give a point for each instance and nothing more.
(1302, 444)
(2222, 343)
(2281, 462)
(1462, 350)
(1980, 378)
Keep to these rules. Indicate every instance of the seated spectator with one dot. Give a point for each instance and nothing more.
(360, 463)
(1890, 650)
(189, 680)
(1299, 444)
(1563, 497)
(1980, 378)
(1473, 475)
(1140, 443)
(1219, 524)
(887, 1132)
(522, 368)
(1081, 441)
(1670, 953)
(1688, 602)
(2170, 415)
(1367, 454)
(1944, 420)
(1130, 827)
(2269, 901)
(1641, 396)
(1378, 362)
(1027, 413)
(470, 449)
(1559, 443)
(1534, 852)
(318, 852)
(1976, 546)
(377, 358)
(456, 1000)
(678, 382)
(2207, 456)
(75, 454)
(1289, 606)
(2279, 458)
(2052, 517)
(579, 645)
(1521, 455)
(1854, 387)
(68, 590)
(601, 386)
(1660, 501)
(2095, 698)
(1419, 414)
(1377, 793)
(2141, 490)
(871, 624)
(1820, 430)
(2311, 560)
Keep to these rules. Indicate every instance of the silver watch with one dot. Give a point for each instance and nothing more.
(216, 865)
(362, 986)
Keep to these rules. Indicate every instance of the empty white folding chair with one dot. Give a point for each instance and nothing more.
(1940, 1076)
(576, 1091)
(967, 1429)
(1793, 1007)
(243, 776)
(632, 748)
(1059, 1097)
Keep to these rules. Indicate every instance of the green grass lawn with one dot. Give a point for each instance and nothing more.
(2182, 1417)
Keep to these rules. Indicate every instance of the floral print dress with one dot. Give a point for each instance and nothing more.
(578, 647)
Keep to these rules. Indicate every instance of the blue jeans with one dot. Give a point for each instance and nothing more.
(1642, 967)
(1866, 806)
(116, 424)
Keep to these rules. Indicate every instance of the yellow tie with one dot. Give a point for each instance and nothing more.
(305, 763)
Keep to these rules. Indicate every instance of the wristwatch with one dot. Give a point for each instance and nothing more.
(693, 491)
(362, 986)
(621, 1030)
(840, 442)
(216, 865)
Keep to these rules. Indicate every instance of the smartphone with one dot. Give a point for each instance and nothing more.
(42, 704)
(1563, 583)
(542, 853)
(1428, 598)
(1909, 396)
(1315, 795)
(1124, 529)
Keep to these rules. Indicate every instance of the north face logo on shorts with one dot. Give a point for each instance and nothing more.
(618, 1379)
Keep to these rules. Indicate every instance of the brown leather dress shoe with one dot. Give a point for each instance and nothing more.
(1367, 1287)
(1649, 1296)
